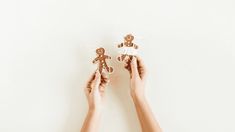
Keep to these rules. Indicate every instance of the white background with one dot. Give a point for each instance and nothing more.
(47, 46)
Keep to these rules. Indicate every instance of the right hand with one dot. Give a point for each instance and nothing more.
(138, 76)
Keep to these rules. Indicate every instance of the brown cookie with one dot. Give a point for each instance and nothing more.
(128, 44)
(101, 58)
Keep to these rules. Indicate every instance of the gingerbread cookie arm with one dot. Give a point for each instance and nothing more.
(120, 45)
(135, 46)
(95, 60)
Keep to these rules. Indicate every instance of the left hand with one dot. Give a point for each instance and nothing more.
(95, 90)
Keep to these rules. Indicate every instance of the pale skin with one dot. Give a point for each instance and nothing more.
(95, 93)
(95, 90)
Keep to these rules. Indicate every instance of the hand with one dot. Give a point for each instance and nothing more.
(95, 90)
(138, 76)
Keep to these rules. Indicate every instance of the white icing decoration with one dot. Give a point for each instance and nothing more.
(128, 51)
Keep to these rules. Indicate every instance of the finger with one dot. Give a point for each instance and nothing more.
(127, 65)
(87, 91)
(134, 70)
(141, 67)
(104, 78)
(104, 81)
(92, 77)
(96, 82)
(89, 83)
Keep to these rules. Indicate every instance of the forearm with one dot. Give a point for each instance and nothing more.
(92, 120)
(145, 115)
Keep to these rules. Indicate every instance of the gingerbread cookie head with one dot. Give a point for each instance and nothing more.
(128, 40)
(100, 51)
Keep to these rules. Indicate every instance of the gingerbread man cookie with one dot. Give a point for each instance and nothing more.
(127, 49)
(101, 57)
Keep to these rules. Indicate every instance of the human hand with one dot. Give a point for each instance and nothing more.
(138, 76)
(95, 90)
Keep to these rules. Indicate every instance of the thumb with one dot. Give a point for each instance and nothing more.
(134, 67)
(96, 82)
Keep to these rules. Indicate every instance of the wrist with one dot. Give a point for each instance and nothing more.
(137, 93)
(95, 110)
(136, 96)
(95, 106)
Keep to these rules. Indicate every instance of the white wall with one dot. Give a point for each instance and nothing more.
(46, 49)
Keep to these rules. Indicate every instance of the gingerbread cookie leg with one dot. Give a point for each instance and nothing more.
(109, 69)
(101, 68)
